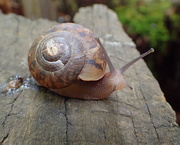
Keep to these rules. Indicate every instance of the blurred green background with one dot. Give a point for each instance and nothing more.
(150, 23)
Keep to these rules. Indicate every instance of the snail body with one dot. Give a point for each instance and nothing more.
(71, 61)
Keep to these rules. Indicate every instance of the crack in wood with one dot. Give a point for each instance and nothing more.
(4, 138)
(145, 100)
(67, 120)
(11, 108)
(134, 127)
(6, 117)
(104, 132)
(148, 109)
(150, 114)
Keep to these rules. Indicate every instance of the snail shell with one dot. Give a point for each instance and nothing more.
(66, 53)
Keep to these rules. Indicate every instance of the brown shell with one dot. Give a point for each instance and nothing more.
(65, 53)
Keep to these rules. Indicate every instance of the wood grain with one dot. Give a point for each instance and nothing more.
(35, 115)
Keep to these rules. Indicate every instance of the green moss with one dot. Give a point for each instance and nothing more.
(147, 20)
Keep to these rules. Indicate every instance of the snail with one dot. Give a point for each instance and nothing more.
(70, 60)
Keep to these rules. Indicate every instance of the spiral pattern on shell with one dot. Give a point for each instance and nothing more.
(61, 55)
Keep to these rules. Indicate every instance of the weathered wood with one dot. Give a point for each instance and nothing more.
(39, 116)
(35, 9)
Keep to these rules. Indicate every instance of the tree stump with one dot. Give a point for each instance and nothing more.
(34, 115)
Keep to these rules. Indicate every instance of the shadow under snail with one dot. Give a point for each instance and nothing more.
(71, 61)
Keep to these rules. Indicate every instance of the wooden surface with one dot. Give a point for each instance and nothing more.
(35, 9)
(36, 116)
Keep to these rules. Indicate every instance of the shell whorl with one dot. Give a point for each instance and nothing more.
(61, 55)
